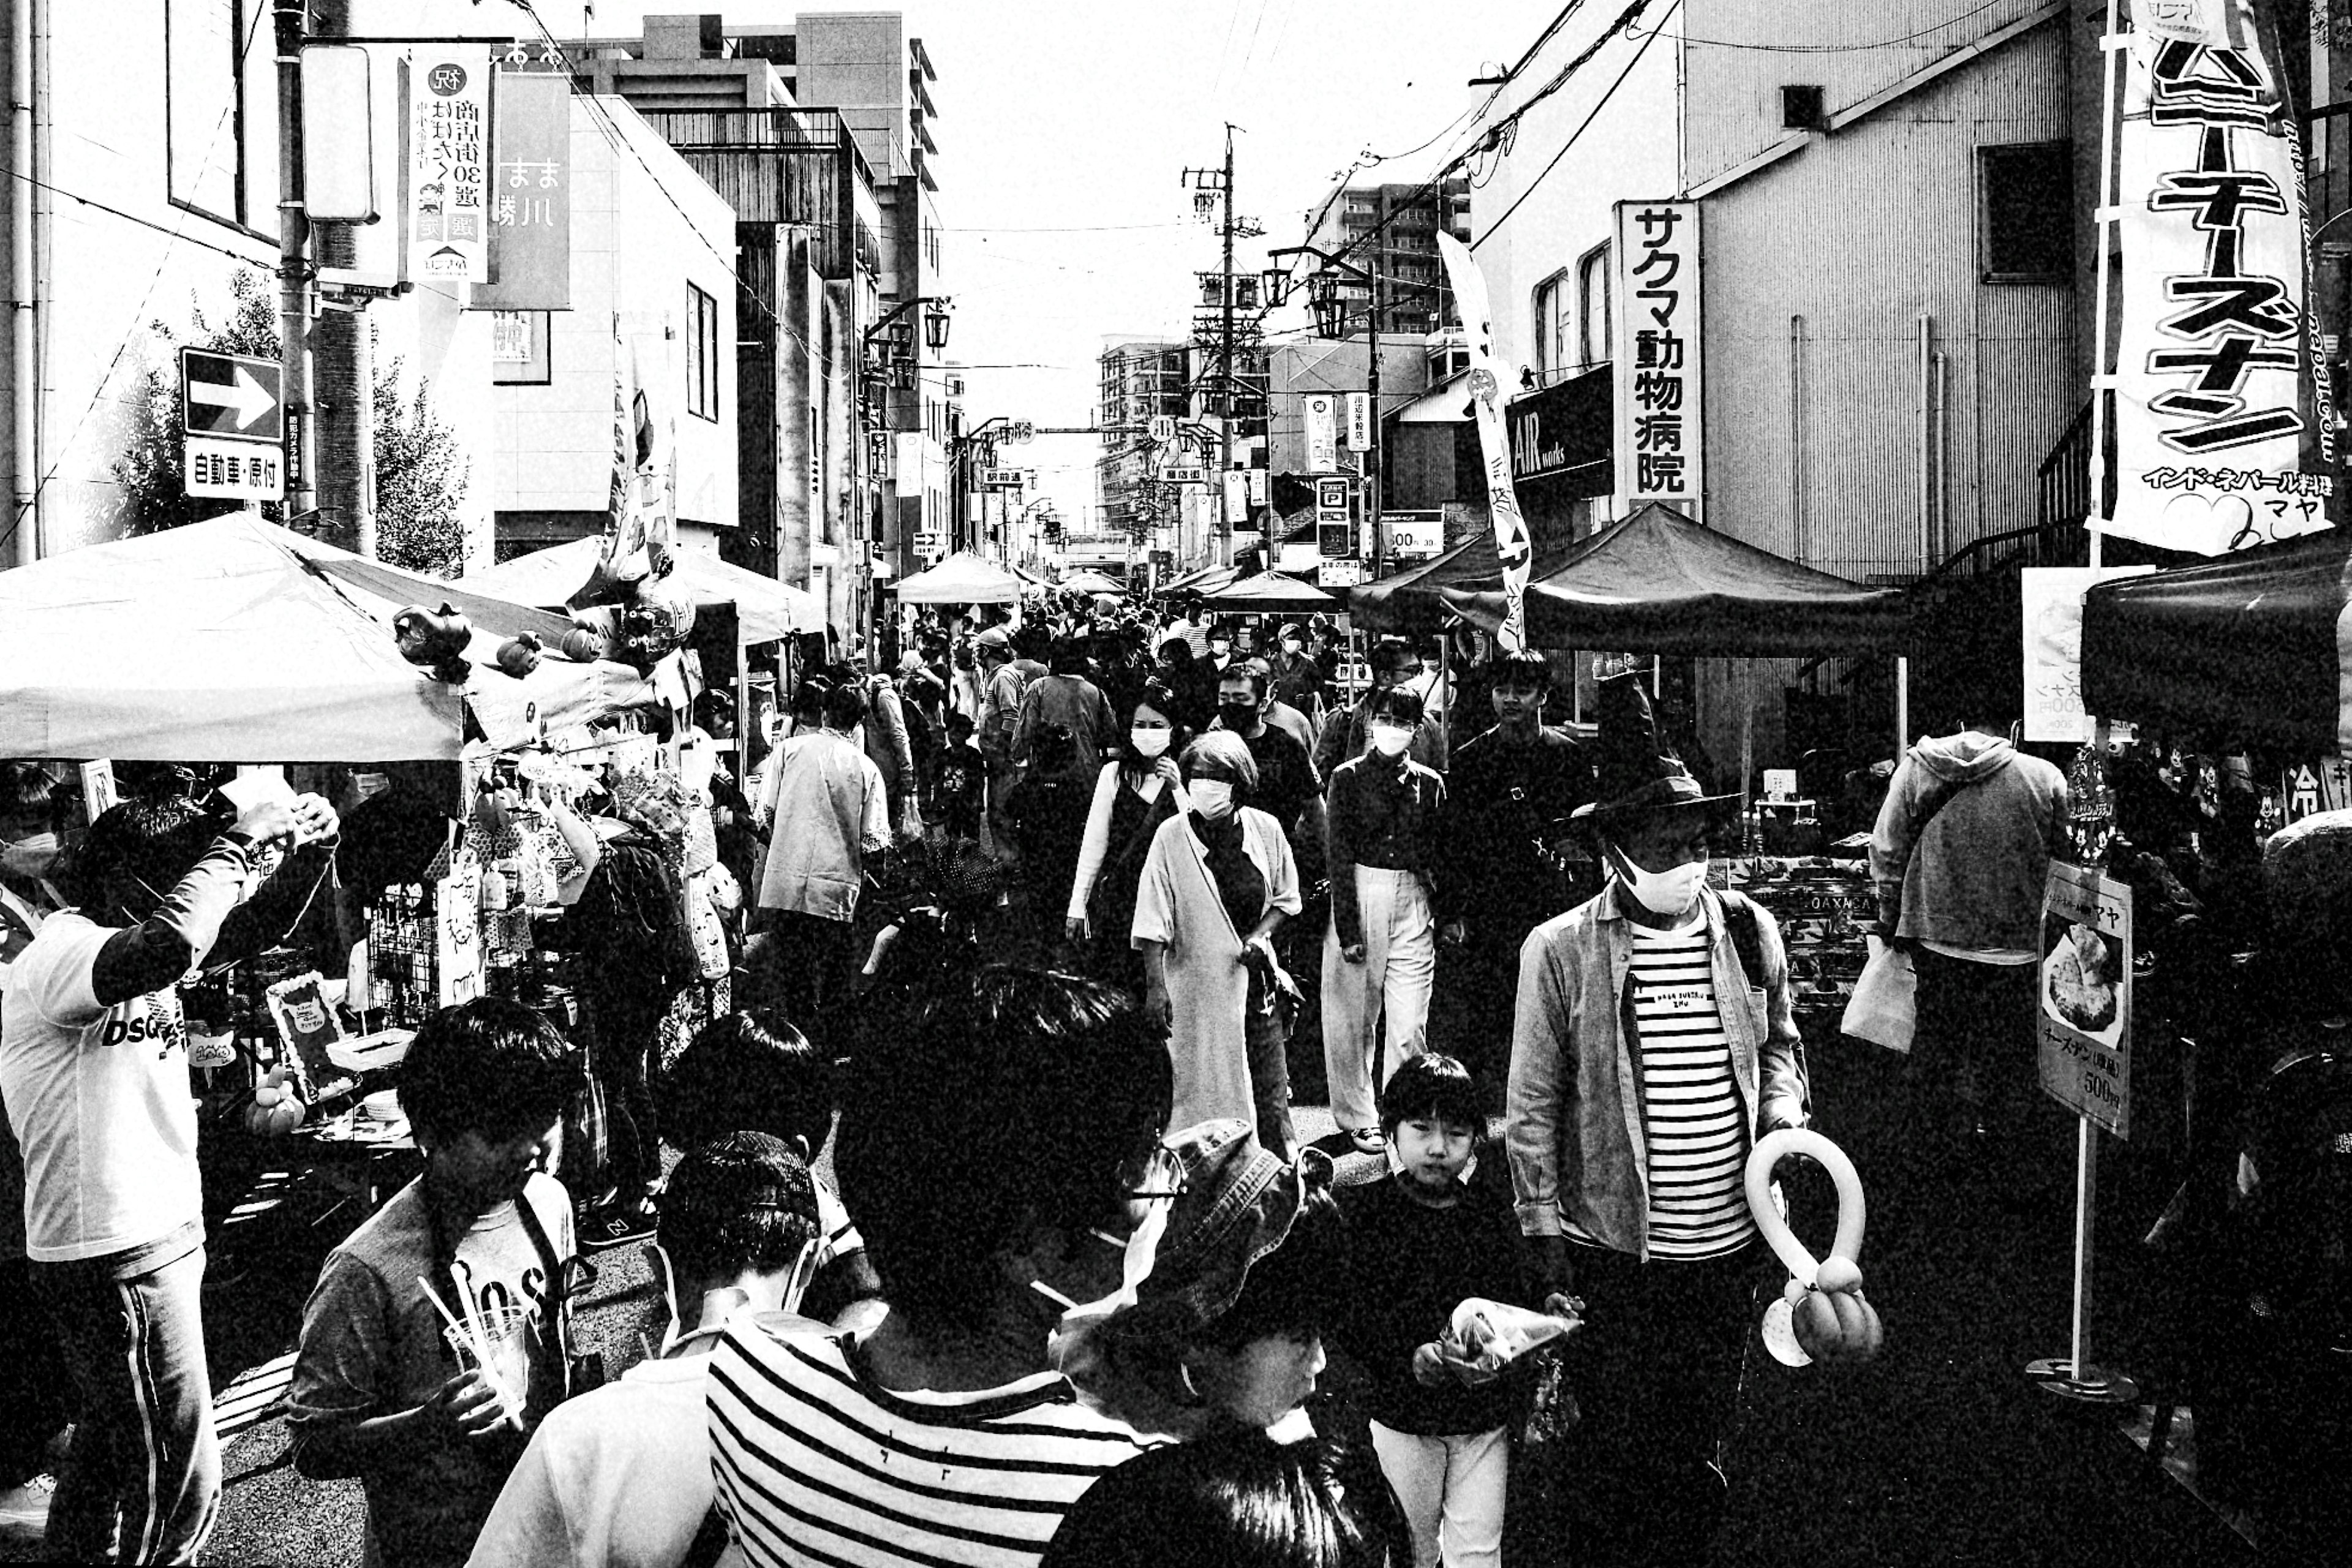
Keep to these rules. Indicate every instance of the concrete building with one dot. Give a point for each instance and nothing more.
(1141, 379)
(650, 283)
(1391, 230)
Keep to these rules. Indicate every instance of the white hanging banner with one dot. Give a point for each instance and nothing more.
(2223, 438)
(448, 163)
(1322, 432)
(1469, 286)
(1660, 437)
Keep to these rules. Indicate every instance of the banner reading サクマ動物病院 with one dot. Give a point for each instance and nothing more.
(2223, 437)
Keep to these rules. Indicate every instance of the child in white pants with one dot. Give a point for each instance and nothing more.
(1419, 1243)
(1380, 954)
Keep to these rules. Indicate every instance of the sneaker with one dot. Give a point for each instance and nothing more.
(25, 1510)
(613, 1226)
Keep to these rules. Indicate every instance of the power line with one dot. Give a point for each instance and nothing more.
(1644, 49)
(1844, 48)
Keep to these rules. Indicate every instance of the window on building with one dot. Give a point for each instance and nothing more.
(2026, 204)
(1554, 317)
(1593, 333)
(204, 131)
(701, 354)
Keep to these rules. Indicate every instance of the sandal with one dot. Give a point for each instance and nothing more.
(1368, 1140)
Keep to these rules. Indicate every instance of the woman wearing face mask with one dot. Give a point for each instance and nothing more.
(1217, 884)
(1380, 954)
(1134, 794)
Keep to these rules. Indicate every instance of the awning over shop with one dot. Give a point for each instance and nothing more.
(2250, 648)
(236, 640)
(1269, 594)
(765, 609)
(1032, 578)
(962, 578)
(1658, 583)
(1413, 600)
(1207, 580)
(1091, 583)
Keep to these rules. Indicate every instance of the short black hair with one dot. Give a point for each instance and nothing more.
(1008, 1099)
(958, 720)
(809, 697)
(1400, 703)
(1295, 1290)
(1433, 1085)
(1253, 670)
(1530, 668)
(488, 1066)
(845, 707)
(154, 839)
(1236, 1499)
(744, 1203)
(749, 1071)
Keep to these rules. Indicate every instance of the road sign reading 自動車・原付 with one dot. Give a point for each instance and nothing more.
(235, 396)
(213, 469)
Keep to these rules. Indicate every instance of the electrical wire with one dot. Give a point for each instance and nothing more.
(1599, 104)
(1844, 48)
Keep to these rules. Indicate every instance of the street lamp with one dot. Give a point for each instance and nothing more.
(935, 326)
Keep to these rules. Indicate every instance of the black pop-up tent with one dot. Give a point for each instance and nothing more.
(2248, 648)
(1413, 600)
(1658, 583)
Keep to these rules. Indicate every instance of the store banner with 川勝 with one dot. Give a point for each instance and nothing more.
(531, 197)
(447, 92)
(1512, 547)
(2224, 438)
(1661, 432)
(2082, 1021)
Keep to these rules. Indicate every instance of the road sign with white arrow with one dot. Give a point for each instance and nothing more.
(231, 397)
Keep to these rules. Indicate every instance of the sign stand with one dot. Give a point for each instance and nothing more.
(2076, 1377)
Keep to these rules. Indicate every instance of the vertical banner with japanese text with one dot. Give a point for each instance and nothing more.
(2082, 1021)
(531, 195)
(1322, 432)
(448, 163)
(1660, 435)
(2225, 436)
(1511, 543)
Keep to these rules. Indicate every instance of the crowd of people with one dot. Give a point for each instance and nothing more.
(986, 1232)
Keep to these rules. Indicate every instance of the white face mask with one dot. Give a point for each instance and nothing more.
(1391, 740)
(1147, 742)
(1212, 798)
(1662, 892)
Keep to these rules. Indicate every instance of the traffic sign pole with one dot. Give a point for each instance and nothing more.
(292, 27)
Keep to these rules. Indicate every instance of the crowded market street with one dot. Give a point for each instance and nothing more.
(1619, 838)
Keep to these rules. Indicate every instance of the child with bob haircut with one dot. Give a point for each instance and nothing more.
(1424, 1240)
(751, 1071)
(379, 1391)
(621, 1478)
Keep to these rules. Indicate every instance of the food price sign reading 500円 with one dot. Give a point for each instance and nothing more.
(2083, 1019)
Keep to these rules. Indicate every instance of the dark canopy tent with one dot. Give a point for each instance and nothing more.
(1658, 583)
(2244, 648)
(1412, 600)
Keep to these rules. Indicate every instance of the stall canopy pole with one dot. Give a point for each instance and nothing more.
(1901, 707)
(2112, 44)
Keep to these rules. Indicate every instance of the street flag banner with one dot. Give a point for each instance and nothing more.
(531, 195)
(2053, 600)
(1469, 286)
(449, 165)
(640, 527)
(1322, 432)
(2083, 1024)
(1661, 442)
(2225, 436)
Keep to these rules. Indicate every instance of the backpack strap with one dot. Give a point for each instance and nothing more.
(1743, 918)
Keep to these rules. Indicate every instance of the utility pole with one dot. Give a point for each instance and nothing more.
(342, 439)
(292, 26)
(1372, 453)
(1225, 368)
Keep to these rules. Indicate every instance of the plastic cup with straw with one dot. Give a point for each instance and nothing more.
(470, 1332)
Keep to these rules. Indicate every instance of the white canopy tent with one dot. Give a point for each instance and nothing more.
(236, 640)
(765, 609)
(962, 578)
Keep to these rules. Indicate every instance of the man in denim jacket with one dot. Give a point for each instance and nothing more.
(1653, 1045)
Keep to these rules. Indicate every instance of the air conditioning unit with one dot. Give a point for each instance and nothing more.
(955, 387)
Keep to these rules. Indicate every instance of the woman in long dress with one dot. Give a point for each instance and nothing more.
(1218, 883)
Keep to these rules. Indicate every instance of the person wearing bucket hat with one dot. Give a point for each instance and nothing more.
(1223, 1329)
(1653, 1044)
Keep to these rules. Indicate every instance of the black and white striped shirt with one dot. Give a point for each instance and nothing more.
(1691, 1113)
(819, 1467)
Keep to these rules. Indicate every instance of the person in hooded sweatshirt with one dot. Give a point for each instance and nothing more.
(1960, 855)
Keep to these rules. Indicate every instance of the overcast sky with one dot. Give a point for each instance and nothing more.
(1064, 128)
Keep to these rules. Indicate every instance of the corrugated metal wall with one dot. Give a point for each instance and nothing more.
(1859, 234)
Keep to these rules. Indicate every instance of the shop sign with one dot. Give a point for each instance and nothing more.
(1413, 534)
(2053, 599)
(1001, 479)
(1660, 436)
(2083, 1021)
(531, 197)
(458, 931)
(1359, 421)
(1322, 432)
(2225, 436)
(449, 165)
(1560, 433)
(1184, 474)
(1342, 573)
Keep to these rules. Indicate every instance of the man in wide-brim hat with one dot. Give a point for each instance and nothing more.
(1653, 1044)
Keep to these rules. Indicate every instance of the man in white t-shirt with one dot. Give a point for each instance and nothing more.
(621, 1478)
(94, 1071)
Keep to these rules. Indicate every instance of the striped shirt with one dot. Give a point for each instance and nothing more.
(818, 1468)
(1691, 1115)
